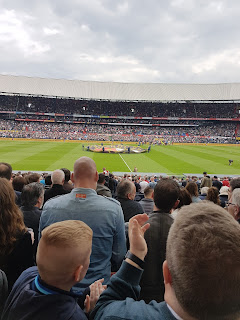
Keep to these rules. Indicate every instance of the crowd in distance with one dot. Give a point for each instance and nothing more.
(203, 133)
(119, 108)
(60, 118)
(182, 235)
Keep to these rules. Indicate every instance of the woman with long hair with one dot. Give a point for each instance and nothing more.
(213, 195)
(16, 249)
(192, 188)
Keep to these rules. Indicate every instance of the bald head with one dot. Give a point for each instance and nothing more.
(85, 173)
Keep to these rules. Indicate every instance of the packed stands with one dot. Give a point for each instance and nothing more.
(155, 122)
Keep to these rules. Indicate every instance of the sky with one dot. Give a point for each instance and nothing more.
(153, 41)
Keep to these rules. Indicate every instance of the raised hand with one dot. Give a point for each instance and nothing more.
(96, 288)
(136, 229)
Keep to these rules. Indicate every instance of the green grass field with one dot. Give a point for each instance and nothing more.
(177, 159)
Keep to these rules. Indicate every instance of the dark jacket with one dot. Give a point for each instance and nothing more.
(102, 190)
(26, 302)
(118, 301)
(18, 197)
(147, 205)
(55, 190)
(130, 208)
(31, 217)
(152, 283)
(217, 184)
(223, 199)
(112, 185)
(20, 258)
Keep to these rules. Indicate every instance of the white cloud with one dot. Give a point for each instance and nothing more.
(215, 61)
(123, 7)
(14, 32)
(148, 41)
(50, 31)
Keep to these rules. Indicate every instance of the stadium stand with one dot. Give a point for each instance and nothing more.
(80, 110)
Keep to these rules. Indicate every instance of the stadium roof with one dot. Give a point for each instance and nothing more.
(118, 91)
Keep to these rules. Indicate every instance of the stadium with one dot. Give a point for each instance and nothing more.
(190, 127)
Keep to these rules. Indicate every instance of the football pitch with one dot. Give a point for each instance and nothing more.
(30, 155)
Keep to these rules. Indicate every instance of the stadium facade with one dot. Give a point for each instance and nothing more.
(115, 91)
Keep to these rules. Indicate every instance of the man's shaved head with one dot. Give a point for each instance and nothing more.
(85, 172)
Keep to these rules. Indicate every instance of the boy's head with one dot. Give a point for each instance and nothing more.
(63, 254)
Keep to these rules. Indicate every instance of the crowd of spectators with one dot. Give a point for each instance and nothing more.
(60, 118)
(190, 223)
(119, 108)
(204, 132)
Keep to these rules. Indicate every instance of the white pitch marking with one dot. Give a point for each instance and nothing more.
(125, 162)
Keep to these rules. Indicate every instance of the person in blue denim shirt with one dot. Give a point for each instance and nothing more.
(103, 215)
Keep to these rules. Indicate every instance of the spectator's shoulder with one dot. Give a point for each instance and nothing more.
(113, 200)
(55, 201)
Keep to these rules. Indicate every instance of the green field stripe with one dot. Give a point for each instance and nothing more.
(192, 156)
(144, 163)
(227, 151)
(210, 154)
(19, 157)
(66, 154)
(112, 162)
(179, 160)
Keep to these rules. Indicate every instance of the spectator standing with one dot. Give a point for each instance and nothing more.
(6, 172)
(166, 195)
(16, 249)
(204, 191)
(126, 192)
(57, 178)
(18, 183)
(32, 177)
(67, 185)
(103, 215)
(112, 184)
(152, 183)
(32, 202)
(226, 182)
(213, 195)
(137, 185)
(216, 183)
(147, 202)
(223, 196)
(206, 181)
(192, 188)
(143, 184)
(44, 292)
(101, 189)
(184, 200)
